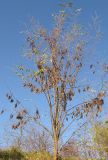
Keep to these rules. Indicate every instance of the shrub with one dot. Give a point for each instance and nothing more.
(38, 156)
(11, 154)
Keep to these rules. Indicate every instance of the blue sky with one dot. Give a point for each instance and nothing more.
(13, 15)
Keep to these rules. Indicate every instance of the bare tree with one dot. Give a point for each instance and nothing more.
(58, 59)
(37, 141)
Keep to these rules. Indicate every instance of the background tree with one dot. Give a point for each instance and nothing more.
(58, 58)
(101, 139)
(70, 150)
(37, 141)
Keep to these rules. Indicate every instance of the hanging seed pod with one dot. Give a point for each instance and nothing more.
(1, 112)
(100, 102)
(16, 126)
(24, 111)
(23, 122)
(37, 114)
(16, 105)
(66, 118)
(81, 115)
(99, 108)
(70, 95)
(87, 88)
(72, 117)
(101, 95)
(91, 66)
(11, 100)
(32, 89)
(19, 116)
(9, 97)
(84, 90)
(28, 39)
(95, 101)
(11, 116)
(79, 91)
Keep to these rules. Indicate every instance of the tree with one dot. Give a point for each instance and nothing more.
(58, 57)
(37, 142)
(101, 139)
(70, 150)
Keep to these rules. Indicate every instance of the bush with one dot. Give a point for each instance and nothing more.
(71, 158)
(16, 154)
(38, 156)
(11, 154)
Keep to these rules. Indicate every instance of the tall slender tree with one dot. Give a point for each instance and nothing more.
(58, 57)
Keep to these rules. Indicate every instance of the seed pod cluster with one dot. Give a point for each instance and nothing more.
(12, 100)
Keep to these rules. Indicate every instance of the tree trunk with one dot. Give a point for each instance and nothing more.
(56, 154)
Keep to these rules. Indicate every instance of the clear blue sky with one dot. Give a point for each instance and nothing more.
(13, 15)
